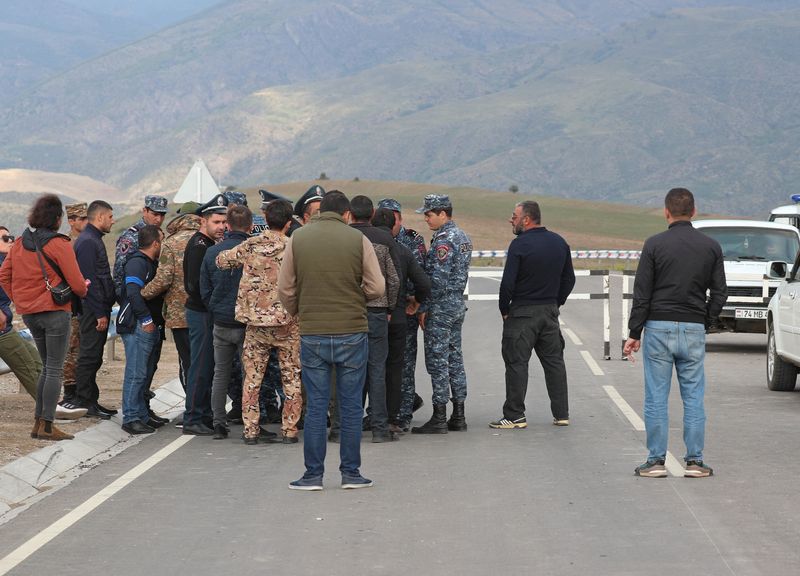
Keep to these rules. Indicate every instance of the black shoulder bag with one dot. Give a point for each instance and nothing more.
(62, 294)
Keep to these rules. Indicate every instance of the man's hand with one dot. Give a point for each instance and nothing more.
(151, 327)
(504, 316)
(411, 306)
(421, 317)
(630, 347)
(102, 324)
(3, 321)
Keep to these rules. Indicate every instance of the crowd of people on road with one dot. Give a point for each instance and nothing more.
(308, 315)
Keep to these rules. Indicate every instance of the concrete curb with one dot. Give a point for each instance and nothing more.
(33, 476)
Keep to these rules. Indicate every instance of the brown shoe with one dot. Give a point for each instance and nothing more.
(49, 431)
(35, 431)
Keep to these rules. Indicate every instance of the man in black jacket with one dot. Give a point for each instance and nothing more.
(198, 418)
(138, 323)
(676, 270)
(410, 273)
(93, 322)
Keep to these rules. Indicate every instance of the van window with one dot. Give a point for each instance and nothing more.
(755, 244)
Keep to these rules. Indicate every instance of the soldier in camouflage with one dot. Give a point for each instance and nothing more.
(448, 267)
(269, 325)
(169, 279)
(154, 211)
(411, 401)
(77, 218)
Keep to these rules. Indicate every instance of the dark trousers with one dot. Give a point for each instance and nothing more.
(526, 329)
(90, 358)
(181, 338)
(394, 368)
(201, 370)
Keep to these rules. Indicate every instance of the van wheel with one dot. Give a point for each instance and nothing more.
(781, 376)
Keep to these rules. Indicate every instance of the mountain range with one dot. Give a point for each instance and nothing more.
(616, 100)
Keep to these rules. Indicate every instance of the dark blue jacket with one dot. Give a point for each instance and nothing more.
(219, 288)
(139, 270)
(538, 270)
(5, 305)
(93, 262)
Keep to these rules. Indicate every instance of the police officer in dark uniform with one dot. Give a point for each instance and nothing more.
(198, 417)
(448, 267)
(154, 212)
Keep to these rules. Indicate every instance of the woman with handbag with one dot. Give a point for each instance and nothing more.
(42, 278)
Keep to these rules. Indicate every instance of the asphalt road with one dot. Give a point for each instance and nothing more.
(544, 500)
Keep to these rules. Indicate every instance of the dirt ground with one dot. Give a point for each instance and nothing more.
(16, 408)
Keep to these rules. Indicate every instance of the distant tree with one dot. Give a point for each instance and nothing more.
(230, 189)
(513, 188)
(356, 179)
(322, 176)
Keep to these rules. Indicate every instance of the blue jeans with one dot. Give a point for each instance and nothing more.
(139, 346)
(682, 344)
(319, 356)
(201, 368)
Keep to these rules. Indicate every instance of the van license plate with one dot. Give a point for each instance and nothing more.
(751, 313)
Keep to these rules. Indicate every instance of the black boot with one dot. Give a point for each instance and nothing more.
(437, 424)
(457, 422)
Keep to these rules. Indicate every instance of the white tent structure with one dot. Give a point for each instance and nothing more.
(199, 185)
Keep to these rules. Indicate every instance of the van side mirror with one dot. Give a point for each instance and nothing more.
(777, 270)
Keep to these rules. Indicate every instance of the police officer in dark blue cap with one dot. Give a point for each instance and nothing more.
(198, 418)
(308, 204)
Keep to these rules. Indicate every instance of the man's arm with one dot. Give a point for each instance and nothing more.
(206, 282)
(135, 273)
(287, 281)
(422, 284)
(392, 283)
(509, 280)
(718, 288)
(642, 293)
(193, 260)
(86, 255)
(567, 279)
(233, 257)
(372, 281)
(164, 275)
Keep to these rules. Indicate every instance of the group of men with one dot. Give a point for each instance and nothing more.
(322, 302)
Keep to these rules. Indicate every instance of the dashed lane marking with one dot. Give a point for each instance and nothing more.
(572, 336)
(17, 556)
(673, 466)
(591, 363)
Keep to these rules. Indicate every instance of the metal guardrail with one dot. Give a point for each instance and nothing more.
(576, 254)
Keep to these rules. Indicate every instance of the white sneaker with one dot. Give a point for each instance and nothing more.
(65, 413)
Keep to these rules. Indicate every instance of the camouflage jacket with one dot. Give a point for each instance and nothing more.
(127, 244)
(260, 257)
(169, 277)
(448, 263)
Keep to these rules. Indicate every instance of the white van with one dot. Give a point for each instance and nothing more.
(757, 256)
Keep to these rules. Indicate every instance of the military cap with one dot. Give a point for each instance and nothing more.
(76, 210)
(390, 203)
(217, 205)
(188, 208)
(235, 197)
(435, 202)
(267, 197)
(156, 203)
(313, 194)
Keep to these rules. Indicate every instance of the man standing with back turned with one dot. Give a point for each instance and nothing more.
(329, 272)
(675, 270)
(537, 280)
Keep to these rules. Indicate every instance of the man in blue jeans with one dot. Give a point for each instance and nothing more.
(676, 269)
(139, 323)
(329, 272)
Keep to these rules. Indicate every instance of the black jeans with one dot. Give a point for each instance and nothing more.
(50, 331)
(529, 328)
(181, 338)
(90, 358)
(394, 368)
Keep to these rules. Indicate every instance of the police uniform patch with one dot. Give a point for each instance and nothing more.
(124, 246)
(442, 252)
(465, 248)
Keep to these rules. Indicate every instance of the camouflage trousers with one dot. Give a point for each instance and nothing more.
(71, 359)
(408, 389)
(258, 341)
(443, 358)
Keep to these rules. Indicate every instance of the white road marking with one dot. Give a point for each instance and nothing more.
(591, 363)
(572, 336)
(673, 466)
(473, 297)
(625, 408)
(14, 558)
